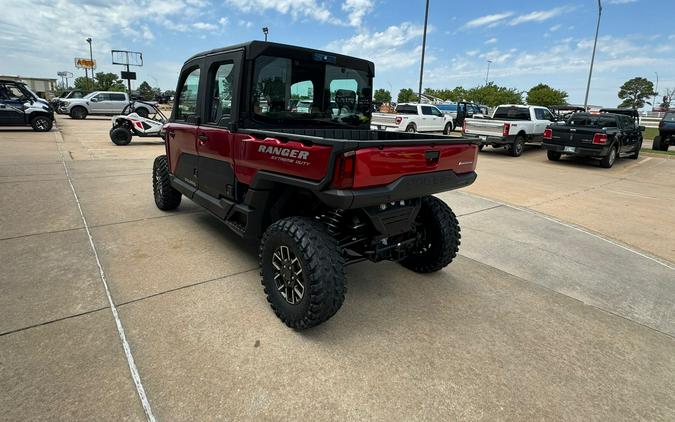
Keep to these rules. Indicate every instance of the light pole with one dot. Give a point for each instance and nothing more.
(656, 91)
(487, 75)
(265, 30)
(595, 43)
(424, 46)
(91, 58)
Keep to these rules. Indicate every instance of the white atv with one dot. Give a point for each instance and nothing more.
(131, 123)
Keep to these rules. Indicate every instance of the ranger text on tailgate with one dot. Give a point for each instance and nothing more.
(314, 185)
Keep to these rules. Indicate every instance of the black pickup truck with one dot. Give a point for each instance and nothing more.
(666, 136)
(607, 136)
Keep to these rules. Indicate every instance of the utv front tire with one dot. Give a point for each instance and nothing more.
(439, 237)
(41, 124)
(120, 135)
(166, 197)
(302, 272)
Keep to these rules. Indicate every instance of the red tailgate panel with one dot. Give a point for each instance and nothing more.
(377, 167)
(288, 158)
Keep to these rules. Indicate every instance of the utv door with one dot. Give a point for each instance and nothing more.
(181, 131)
(214, 138)
(11, 105)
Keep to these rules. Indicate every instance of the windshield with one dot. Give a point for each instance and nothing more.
(289, 91)
(669, 117)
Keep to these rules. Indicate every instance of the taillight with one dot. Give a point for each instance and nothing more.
(345, 166)
(507, 128)
(600, 139)
(398, 120)
(548, 134)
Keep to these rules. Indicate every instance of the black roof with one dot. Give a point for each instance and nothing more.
(254, 49)
(625, 111)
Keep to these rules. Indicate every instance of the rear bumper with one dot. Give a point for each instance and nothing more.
(406, 187)
(580, 151)
(492, 140)
(386, 128)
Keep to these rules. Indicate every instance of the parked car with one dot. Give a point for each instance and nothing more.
(317, 191)
(666, 136)
(74, 93)
(462, 110)
(19, 106)
(102, 103)
(413, 118)
(606, 136)
(511, 126)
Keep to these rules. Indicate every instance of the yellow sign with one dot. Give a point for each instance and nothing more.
(81, 63)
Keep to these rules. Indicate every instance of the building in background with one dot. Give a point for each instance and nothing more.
(44, 87)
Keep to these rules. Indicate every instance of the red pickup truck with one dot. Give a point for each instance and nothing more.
(313, 184)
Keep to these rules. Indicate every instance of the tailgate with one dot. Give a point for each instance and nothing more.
(380, 166)
(483, 127)
(578, 137)
(384, 119)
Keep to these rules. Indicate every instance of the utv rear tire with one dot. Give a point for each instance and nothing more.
(516, 149)
(440, 237)
(41, 123)
(553, 155)
(310, 249)
(166, 197)
(609, 159)
(120, 135)
(78, 113)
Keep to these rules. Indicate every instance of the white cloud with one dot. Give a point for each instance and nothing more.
(395, 47)
(223, 21)
(472, 53)
(205, 26)
(538, 16)
(147, 33)
(295, 8)
(488, 20)
(245, 23)
(357, 9)
(491, 41)
(555, 28)
(621, 1)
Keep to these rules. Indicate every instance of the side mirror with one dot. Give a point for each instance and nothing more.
(642, 128)
(94, 100)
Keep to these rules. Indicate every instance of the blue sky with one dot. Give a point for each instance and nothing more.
(528, 41)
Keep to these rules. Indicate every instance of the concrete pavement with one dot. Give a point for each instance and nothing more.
(534, 320)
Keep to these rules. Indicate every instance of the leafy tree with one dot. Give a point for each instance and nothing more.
(456, 94)
(169, 93)
(83, 83)
(145, 91)
(406, 95)
(109, 82)
(635, 93)
(493, 95)
(544, 95)
(382, 96)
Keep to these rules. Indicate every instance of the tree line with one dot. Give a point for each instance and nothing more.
(108, 81)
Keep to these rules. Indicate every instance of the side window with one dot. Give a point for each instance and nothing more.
(539, 113)
(343, 96)
(436, 112)
(103, 97)
(187, 99)
(117, 97)
(547, 115)
(222, 88)
(426, 110)
(302, 93)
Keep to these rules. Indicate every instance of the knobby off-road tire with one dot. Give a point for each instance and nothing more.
(166, 197)
(553, 155)
(299, 244)
(120, 135)
(41, 123)
(518, 146)
(440, 237)
(608, 160)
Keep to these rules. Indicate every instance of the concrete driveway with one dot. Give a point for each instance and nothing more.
(536, 319)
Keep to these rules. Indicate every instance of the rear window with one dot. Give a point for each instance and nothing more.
(512, 113)
(669, 117)
(586, 120)
(406, 109)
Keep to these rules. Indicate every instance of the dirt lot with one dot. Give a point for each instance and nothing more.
(560, 306)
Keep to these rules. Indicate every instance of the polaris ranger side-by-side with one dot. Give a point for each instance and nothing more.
(315, 185)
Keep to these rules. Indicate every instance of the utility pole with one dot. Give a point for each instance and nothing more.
(487, 75)
(424, 46)
(595, 43)
(91, 57)
(656, 91)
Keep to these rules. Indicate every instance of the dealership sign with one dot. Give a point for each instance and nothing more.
(81, 63)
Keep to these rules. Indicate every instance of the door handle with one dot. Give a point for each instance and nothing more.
(203, 138)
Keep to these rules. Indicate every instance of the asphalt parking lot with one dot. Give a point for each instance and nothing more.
(561, 305)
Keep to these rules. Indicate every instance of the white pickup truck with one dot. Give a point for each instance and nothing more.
(511, 126)
(413, 118)
(106, 103)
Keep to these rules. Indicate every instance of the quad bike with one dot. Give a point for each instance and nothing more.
(131, 122)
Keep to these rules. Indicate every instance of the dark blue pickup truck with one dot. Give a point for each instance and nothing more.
(611, 134)
(666, 136)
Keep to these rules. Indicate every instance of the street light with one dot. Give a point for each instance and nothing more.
(265, 30)
(595, 43)
(487, 75)
(656, 91)
(424, 46)
(91, 58)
